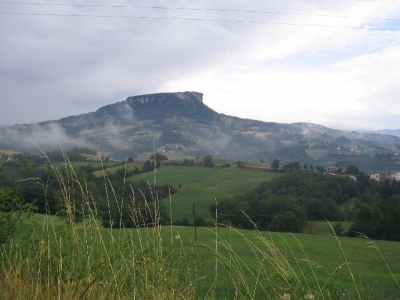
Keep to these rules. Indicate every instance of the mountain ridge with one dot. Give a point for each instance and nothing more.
(182, 125)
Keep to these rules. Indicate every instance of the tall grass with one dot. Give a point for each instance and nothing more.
(83, 260)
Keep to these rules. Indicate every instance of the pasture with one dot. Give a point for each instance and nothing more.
(82, 260)
(56, 257)
(200, 185)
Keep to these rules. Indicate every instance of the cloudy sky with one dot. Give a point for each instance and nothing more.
(334, 63)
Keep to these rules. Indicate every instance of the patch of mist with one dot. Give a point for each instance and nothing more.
(111, 129)
(48, 136)
(239, 146)
(114, 124)
(305, 131)
(125, 112)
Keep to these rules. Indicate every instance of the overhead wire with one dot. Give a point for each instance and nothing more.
(202, 9)
(200, 19)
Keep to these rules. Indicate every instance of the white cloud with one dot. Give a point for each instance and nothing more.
(344, 95)
(53, 66)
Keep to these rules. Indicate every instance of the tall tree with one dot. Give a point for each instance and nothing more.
(208, 161)
(275, 165)
(368, 221)
(391, 218)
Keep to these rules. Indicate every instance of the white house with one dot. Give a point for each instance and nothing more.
(384, 175)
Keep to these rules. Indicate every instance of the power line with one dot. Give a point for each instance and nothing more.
(196, 19)
(206, 9)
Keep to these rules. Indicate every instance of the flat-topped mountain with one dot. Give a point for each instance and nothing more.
(180, 124)
(156, 107)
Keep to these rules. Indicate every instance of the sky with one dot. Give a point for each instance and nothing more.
(333, 63)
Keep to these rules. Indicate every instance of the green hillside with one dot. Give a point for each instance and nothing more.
(202, 186)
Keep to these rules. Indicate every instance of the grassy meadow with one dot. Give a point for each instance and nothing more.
(202, 186)
(54, 259)
(58, 257)
(319, 262)
(95, 164)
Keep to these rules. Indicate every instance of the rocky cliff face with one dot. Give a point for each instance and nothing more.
(190, 96)
(187, 96)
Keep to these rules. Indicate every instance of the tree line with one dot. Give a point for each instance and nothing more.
(286, 202)
(115, 197)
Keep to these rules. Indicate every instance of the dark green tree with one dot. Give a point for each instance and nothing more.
(286, 222)
(186, 162)
(240, 163)
(320, 169)
(158, 157)
(275, 165)
(367, 221)
(208, 161)
(13, 210)
(391, 218)
(147, 166)
(292, 167)
(352, 169)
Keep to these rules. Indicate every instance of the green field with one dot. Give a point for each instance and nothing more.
(95, 164)
(59, 258)
(323, 227)
(170, 263)
(318, 260)
(203, 186)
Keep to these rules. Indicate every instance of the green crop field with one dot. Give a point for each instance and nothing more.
(203, 186)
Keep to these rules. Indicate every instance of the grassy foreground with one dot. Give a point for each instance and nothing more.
(55, 260)
(60, 258)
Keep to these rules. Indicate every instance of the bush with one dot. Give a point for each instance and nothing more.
(12, 211)
(208, 161)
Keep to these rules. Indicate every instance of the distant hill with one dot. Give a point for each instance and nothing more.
(395, 132)
(180, 124)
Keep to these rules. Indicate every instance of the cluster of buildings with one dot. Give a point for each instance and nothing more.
(385, 175)
(375, 175)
